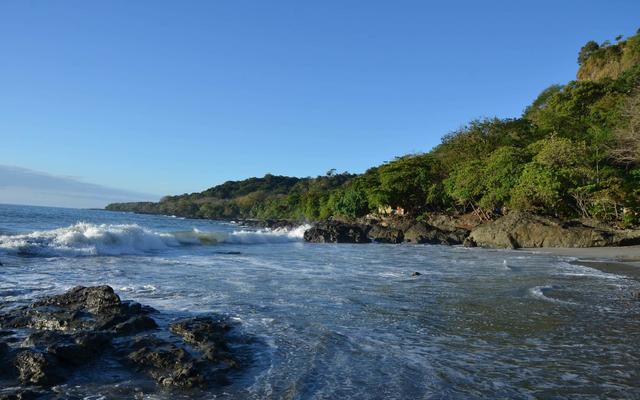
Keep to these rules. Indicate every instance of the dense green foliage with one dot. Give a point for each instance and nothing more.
(575, 152)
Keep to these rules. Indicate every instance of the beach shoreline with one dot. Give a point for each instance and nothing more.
(624, 260)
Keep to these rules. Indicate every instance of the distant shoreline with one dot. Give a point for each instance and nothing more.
(615, 260)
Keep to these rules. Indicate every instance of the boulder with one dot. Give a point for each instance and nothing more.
(383, 234)
(336, 232)
(81, 309)
(421, 232)
(524, 230)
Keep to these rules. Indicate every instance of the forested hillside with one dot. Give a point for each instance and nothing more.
(575, 152)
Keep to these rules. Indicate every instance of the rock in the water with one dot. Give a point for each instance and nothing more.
(137, 323)
(37, 368)
(207, 334)
(21, 394)
(383, 234)
(55, 336)
(167, 363)
(416, 273)
(81, 309)
(336, 232)
(519, 229)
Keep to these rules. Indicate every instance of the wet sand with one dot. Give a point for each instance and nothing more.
(616, 260)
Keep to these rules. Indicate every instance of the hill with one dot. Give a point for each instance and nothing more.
(574, 152)
(599, 61)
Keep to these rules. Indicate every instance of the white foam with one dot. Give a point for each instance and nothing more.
(538, 292)
(280, 235)
(85, 239)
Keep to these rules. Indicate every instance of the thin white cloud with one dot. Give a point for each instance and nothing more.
(25, 186)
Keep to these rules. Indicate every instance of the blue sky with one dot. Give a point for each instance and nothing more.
(171, 97)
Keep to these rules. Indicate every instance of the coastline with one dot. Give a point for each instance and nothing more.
(624, 260)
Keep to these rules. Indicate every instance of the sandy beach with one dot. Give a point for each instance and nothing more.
(620, 260)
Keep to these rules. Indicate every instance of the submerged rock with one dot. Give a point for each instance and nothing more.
(336, 232)
(519, 229)
(60, 334)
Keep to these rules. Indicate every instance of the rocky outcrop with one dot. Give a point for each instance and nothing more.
(523, 230)
(337, 232)
(392, 230)
(82, 309)
(385, 234)
(421, 232)
(47, 342)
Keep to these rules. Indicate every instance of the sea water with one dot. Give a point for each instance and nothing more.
(337, 321)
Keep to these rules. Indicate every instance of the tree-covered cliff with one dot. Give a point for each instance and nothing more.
(575, 152)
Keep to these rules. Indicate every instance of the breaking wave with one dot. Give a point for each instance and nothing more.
(86, 239)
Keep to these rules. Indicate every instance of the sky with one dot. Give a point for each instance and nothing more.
(166, 97)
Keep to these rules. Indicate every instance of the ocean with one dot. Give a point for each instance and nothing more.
(341, 321)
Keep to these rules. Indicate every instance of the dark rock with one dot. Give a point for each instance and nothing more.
(37, 368)
(416, 273)
(519, 229)
(71, 330)
(199, 330)
(135, 324)
(20, 394)
(86, 347)
(449, 223)
(6, 360)
(4, 349)
(337, 232)
(383, 234)
(469, 242)
(208, 335)
(421, 232)
(81, 309)
(168, 364)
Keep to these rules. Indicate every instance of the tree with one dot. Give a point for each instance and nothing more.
(479, 138)
(587, 51)
(538, 190)
(545, 184)
(465, 183)
(502, 170)
(353, 203)
(408, 181)
(626, 149)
